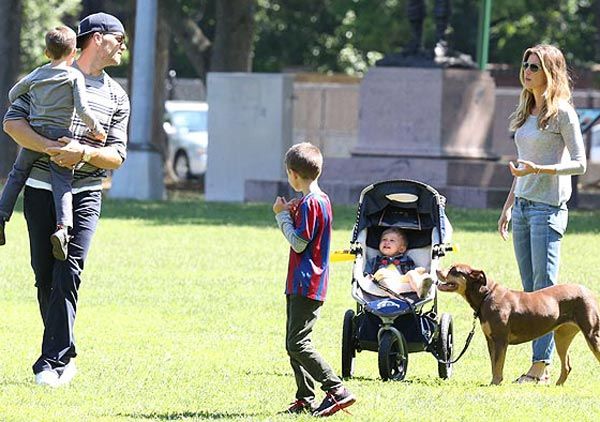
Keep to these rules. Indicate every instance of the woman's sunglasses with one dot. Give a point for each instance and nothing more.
(532, 67)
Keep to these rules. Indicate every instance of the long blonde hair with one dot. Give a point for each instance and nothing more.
(558, 87)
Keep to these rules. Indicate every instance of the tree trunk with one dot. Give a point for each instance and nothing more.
(10, 34)
(187, 33)
(234, 34)
(163, 36)
(596, 11)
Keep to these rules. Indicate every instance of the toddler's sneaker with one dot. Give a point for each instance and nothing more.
(60, 243)
(2, 237)
(300, 406)
(335, 400)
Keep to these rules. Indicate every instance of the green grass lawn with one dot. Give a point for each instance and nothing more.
(182, 313)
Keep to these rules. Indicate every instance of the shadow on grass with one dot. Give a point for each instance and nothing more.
(470, 220)
(192, 209)
(199, 212)
(184, 415)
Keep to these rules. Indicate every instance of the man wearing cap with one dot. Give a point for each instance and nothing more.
(101, 38)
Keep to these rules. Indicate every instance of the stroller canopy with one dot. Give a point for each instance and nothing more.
(408, 204)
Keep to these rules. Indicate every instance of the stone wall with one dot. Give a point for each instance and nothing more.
(326, 113)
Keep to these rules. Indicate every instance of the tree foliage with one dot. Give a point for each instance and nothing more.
(38, 18)
(350, 35)
(569, 24)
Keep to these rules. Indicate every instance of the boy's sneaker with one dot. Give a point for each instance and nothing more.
(60, 243)
(47, 377)
(335, 400)
(68, 373)
(2, 237)
(300, 406)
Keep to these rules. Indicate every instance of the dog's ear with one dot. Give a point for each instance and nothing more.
(479, 277)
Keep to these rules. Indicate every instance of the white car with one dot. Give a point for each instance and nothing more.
(186, 129)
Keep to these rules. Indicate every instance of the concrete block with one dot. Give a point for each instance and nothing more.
(425, 112)
(249, 131)
(308, 107)
(140, 177)
(341, 109)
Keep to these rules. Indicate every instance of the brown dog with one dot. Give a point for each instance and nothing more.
(513, 317)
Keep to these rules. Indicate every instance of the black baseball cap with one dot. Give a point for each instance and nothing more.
(98, 22)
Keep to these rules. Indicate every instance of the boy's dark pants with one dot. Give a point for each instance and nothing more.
(57, 282)
(61, 179)
(308, 365)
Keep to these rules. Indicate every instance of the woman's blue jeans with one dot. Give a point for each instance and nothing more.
(537, 231)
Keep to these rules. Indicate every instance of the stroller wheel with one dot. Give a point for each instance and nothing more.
(348, 349)
(393, 356)
(444, 346)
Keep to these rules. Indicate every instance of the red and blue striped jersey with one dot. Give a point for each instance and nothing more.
(308, 271)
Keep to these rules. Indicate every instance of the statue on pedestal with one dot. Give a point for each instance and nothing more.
(414, 55)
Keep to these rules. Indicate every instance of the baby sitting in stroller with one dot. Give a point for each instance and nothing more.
(395, 272)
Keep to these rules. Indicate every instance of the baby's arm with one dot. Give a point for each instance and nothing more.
(83, 109)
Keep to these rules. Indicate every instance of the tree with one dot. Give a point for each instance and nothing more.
(38, 18)
(213, 35)
(10, 29)
(191, 42)
(569, 24)
(234, 36)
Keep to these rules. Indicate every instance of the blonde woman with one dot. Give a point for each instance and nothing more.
(550, 150)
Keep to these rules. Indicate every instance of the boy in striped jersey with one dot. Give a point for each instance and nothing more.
(101, 38)
(56, 91)
(306, 225)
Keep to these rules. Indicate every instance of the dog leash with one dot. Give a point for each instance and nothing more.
(394, 294)
(471, 334)
(467, 342)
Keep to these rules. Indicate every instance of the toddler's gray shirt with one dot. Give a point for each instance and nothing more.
(55, 93)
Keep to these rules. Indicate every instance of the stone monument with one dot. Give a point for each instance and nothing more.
(420, 103)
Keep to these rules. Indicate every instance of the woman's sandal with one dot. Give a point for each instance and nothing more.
(530, 379)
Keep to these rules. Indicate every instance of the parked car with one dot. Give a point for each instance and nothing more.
(186, 129)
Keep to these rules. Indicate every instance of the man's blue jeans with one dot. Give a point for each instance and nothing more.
(58, 282)
(537, 231)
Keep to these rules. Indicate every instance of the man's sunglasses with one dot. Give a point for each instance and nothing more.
(532, 67)
(119, 37)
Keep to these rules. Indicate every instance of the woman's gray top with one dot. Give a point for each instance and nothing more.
(558, 146)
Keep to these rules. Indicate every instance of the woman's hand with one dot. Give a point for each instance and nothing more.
(525, 168)
(503, 223)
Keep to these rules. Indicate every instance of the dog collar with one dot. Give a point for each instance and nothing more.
(477, 313)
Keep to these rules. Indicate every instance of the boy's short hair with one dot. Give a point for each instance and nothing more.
(60, 41)
(305, 159)
(398, 231)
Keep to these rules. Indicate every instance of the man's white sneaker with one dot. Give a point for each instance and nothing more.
(68, 373)
(47, 377)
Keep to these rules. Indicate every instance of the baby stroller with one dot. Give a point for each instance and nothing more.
(394, 326)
